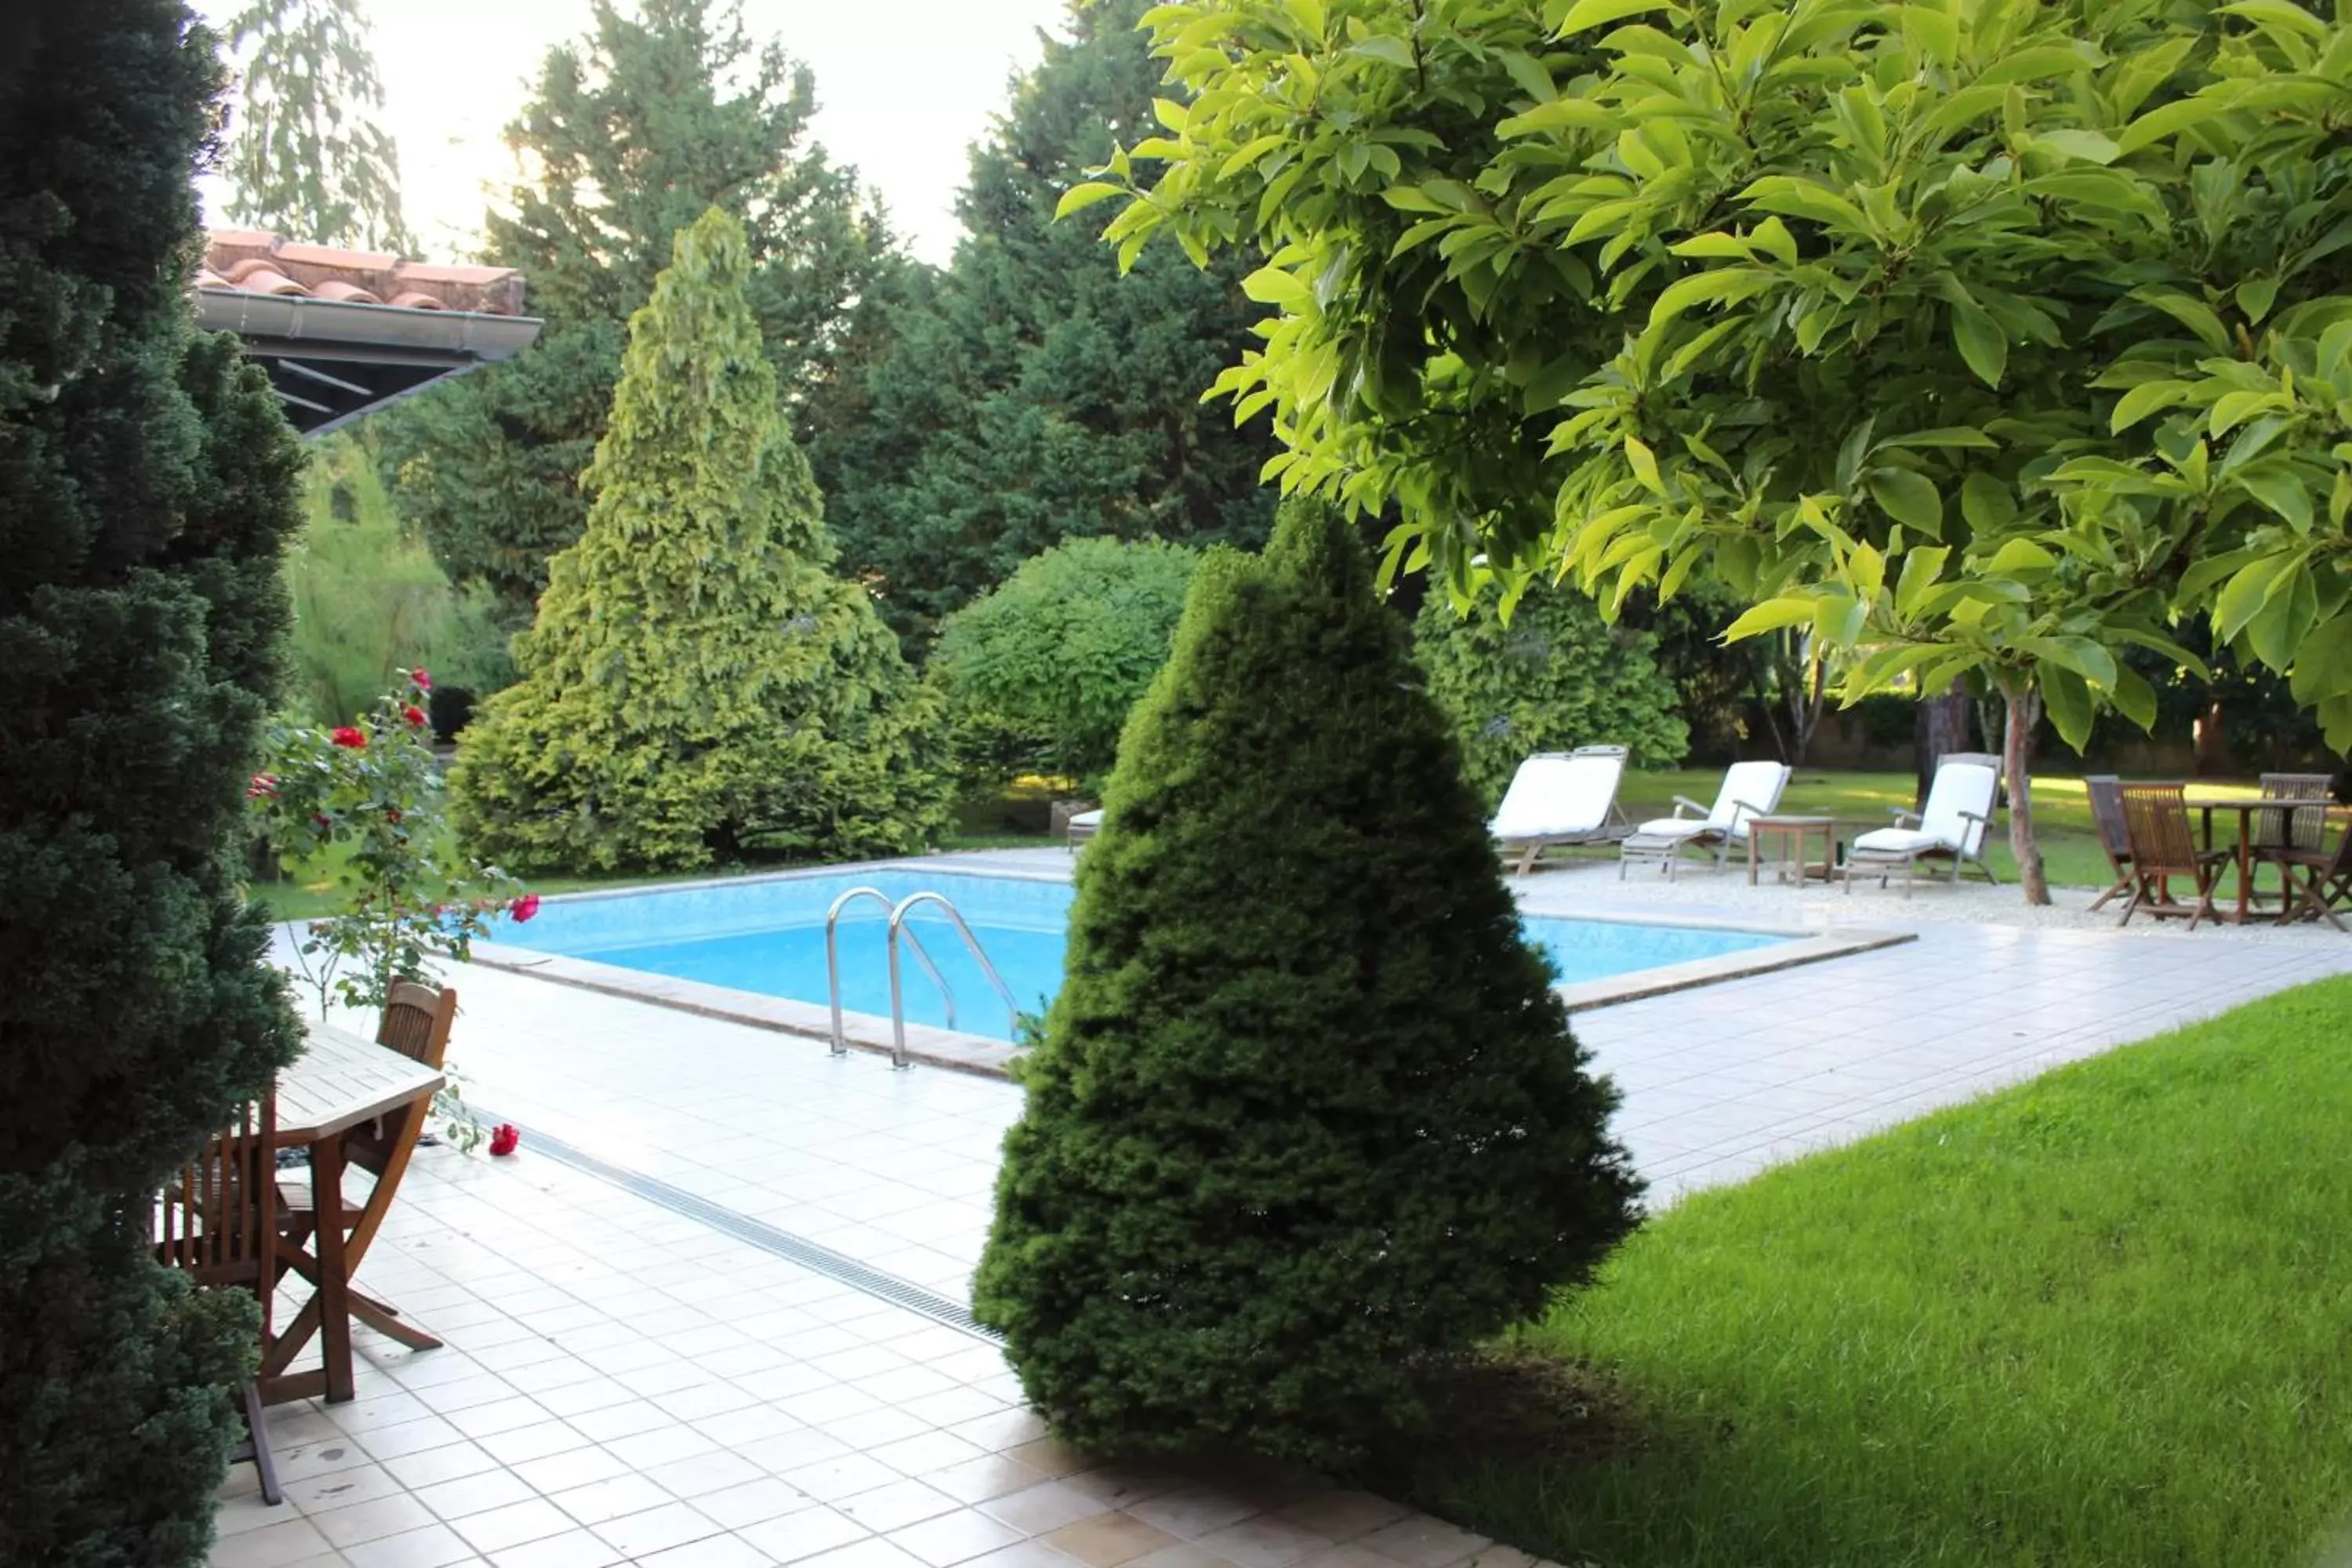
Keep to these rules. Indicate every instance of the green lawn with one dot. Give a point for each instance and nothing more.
(2104, 1318)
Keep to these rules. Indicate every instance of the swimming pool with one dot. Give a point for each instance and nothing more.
(767, 936)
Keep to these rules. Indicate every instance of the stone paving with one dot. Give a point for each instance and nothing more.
(625, 1384)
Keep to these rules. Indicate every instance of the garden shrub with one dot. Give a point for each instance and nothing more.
(1307, 1115)
(697, 686)
(1055, 656)
(147, 485)
(1556, 676)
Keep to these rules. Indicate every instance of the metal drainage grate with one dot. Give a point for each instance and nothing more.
(767, 1237)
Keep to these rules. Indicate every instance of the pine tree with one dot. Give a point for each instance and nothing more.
(305, 155)
(698, 687)
(1038, 395)
(1308, 1114)
(147, 481)
(631, 134)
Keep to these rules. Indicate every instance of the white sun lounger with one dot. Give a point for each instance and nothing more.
(1951, 825)
(1750, 790)
(1560, 798)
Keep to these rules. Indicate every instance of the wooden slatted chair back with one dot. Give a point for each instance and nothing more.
(2156, 823)
(216, 1219)
(2280, 829)
(416, 1021)
(2105, 790)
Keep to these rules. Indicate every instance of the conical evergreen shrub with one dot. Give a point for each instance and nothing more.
(697, 685)
(1306, 1113)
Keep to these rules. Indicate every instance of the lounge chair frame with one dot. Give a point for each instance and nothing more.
(1613, 827)
(1664, 851)
(1884, 863)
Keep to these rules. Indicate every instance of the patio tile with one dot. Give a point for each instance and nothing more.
(870, 1553)
(1423, 1542)
(524, 1444)
(953, 1538)
(1042, 1508)
(662, 1446)
(711, 1473)
(453, 1500)
(753, 1502)
(271, 1546)
(435, 1546)
(372, 1520)
(897, 1504)
(572, 1549)
(1344, 1515)
(715, 1551)
(657, 1529)
(575, 1467)
(1108, 1540)
(512, 1525)
(432, 1465)
(615, 1499)
(1193, 1513)
(830, 1481)
(810, 1533)
(622, 1418)
(341, 1488)
(1268, 1541)
(990, 1476)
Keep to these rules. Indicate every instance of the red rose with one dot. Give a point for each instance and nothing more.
(423, 682)
(504, 1138)
(350, 738)
(413, 714)
(263, 787)
(392, 814)
(523, 908)
(320, 819)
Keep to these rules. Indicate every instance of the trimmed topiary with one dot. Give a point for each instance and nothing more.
(1306, 1113)
(1555, 676)
(697, 684)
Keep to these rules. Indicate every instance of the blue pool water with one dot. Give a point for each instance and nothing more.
(769, 937)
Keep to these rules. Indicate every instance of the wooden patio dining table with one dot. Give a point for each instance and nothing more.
(341, 1081)
(2205, 805)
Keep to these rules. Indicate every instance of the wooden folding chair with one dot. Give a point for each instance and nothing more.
(2315, 877)
(2115, 838)
(416, 1022)
(2163, 847)
(217, 1221)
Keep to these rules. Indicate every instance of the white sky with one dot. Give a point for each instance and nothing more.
(903, 87)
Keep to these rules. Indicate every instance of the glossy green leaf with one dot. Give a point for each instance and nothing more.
(1908, 497)
(1078, 197)
(1981, 343)
(2066, 697)
(2323, 662)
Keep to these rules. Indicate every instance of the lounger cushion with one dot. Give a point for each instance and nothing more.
(1088, 818)
(1677, 828)
(1899, 841)
(1554, 796)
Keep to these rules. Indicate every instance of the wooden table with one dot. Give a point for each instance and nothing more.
(1791, 833)
(2205, 805)
(339, 1082)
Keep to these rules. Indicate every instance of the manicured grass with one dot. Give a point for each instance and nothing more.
(2104, 1318)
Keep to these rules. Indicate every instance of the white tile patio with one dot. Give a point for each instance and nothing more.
(624, 1382)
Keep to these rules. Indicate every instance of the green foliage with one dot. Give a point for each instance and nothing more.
(1987, 343)
(1553, 676)
(370, 794)
(1307, 1113)
(1057, 655)
(305, 156)
(147, 479)
(2083, 1321)
(631, 133)
(370, 602)
(1029, 393)
(697, 685)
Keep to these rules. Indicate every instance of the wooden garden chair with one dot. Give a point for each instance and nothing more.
(2315, 877)
(2163, 847)
(417, 1023)
(2115, 839)
(216, 1220)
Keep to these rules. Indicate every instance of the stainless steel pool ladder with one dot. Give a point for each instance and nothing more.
(899, 913)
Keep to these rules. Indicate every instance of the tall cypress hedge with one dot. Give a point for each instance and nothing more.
(146, 481)
(1306, 1114)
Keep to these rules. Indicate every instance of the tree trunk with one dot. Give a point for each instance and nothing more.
(2212, 742)
(2016, 763)
(1941, 726)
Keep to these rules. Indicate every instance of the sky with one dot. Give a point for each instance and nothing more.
(903, 87)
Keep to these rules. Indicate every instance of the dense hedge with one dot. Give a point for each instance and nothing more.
(698, 686)
(147, 483)
(1053, 658)
(1306, 1112)
(1555, 676)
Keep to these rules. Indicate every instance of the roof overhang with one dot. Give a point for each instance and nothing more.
(334, 360)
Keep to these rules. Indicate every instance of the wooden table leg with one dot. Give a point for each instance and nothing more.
(2246, 871)
(334, 1278)
(1754, 834)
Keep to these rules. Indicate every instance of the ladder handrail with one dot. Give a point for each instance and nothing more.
(971, 943)
(833, 961)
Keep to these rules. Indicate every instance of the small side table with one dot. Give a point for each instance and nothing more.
(1791, 834)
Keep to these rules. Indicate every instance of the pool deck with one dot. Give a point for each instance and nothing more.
(667, 1344)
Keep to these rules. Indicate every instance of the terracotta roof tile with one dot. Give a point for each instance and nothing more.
(258, 263)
